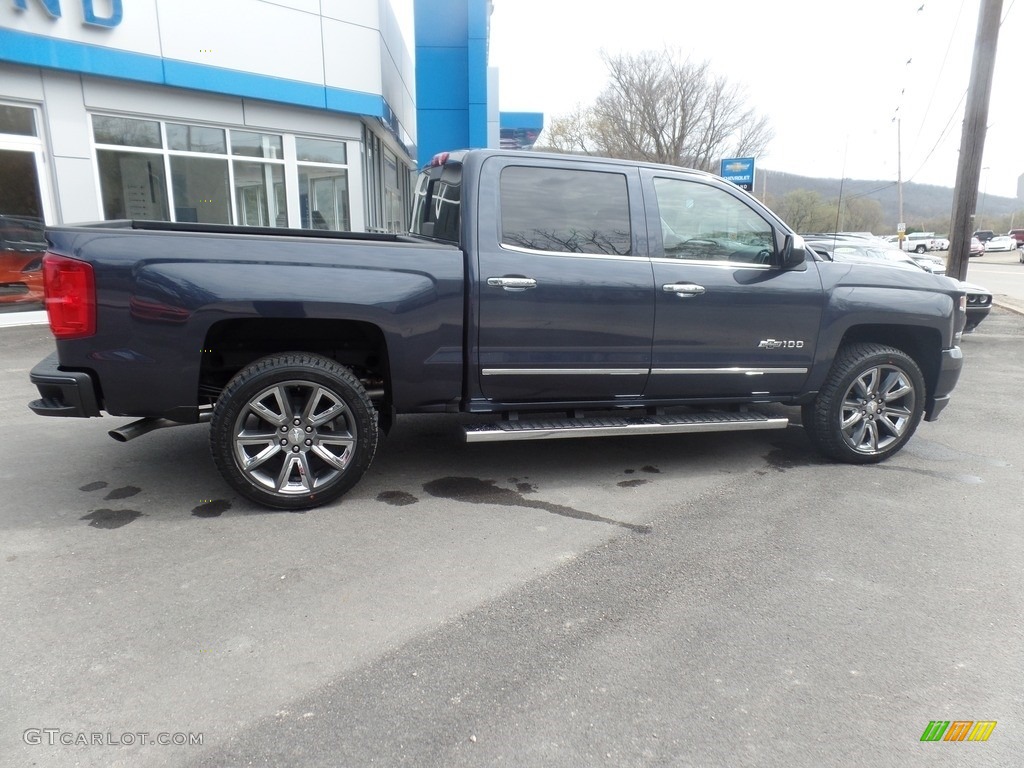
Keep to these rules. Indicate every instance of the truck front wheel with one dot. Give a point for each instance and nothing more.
(870, 405)
(293, 431)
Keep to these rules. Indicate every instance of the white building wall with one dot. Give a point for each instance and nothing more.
(348, 54)
(301, 50)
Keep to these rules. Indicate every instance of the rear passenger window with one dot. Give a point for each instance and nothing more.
(553, 209)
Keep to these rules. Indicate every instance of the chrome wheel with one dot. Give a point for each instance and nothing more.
(868, 406)
(877, 409)
(293, 430)
(294, 437)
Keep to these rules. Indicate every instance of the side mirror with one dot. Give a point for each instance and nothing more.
(794, 252)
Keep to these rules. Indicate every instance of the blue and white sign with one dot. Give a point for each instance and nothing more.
(740, 171)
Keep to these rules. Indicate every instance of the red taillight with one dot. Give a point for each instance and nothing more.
(70, 296)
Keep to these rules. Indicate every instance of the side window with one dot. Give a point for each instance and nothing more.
(703, 223)
(565, 211)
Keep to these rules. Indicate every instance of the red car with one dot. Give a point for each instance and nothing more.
(22, 245)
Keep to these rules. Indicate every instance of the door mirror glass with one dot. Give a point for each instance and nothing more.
(794, 252)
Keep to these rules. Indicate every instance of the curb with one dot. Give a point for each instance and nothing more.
(15, 319)
(1016, 307)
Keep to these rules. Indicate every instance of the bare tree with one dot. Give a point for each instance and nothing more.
(570, 133)
(662, 108)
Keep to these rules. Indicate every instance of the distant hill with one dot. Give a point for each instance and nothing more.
(921, 202)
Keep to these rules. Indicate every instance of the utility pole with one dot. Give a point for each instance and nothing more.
(901, 227)
(972, 139)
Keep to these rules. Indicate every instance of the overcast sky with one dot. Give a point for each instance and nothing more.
(830, 75)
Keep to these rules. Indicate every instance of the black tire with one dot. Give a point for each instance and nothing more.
(921, 249)
(869, 406)
(293, 431)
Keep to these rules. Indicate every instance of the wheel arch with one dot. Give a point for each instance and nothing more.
(923, 345)
(231, 345)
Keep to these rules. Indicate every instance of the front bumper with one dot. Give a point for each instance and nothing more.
(975, 314)
(63, 393)
(949, 374)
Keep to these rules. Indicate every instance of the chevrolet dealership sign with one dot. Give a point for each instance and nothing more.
(740, 171)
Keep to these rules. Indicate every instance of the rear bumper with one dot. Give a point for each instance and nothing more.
(63, 393)
(949, 374)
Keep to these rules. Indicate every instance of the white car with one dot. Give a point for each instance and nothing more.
(1001, 243)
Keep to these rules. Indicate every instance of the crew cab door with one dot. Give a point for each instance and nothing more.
(729, 321)
(564, 288)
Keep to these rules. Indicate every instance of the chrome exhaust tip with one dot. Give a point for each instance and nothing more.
(149, 424)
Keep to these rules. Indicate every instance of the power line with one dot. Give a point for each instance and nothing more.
(942, 136)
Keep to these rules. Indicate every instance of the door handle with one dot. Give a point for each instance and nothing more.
(512, 283)
(683, 290)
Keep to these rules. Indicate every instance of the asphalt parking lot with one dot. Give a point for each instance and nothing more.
(723, 600)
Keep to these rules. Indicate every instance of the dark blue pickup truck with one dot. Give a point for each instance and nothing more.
(567, 296)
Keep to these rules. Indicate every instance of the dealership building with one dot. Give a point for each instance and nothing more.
(291, 113)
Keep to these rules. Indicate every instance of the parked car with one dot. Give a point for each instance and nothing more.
(979, 299)
(941, 243)
(929, 263)
(1001, 243)
(22, 245)
(977, 247)
(919, 242)
(984, 234)
(1018, 236)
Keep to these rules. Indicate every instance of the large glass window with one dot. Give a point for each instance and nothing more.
(260, 194)
(387, 187)
(323, 187)
(183, 172)
(703, 223)
(200, 187)
(196, 171)
(260, 197)
(133, 184)
(394, 210)
(551, 209)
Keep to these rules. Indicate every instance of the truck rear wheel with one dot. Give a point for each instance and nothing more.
(870, 405)
(293, 431)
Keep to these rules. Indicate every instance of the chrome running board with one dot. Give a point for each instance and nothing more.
(552, 429)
